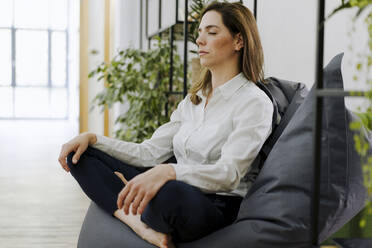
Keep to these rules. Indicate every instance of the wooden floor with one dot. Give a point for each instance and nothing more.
(40, 204)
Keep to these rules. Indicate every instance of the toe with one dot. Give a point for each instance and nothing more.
(121, 176)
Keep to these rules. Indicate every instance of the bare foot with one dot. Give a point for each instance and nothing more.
(156, 238)
(145, 232)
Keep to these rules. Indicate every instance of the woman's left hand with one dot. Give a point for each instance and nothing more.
(143, 187)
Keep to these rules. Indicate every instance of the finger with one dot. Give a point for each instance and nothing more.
(144, 203)
(121, 176)
(61, 162)
(62, 159)
(64, 165)
(67, 149)
(77, 154)
(137, 202)
(122, 195)
(128, 200)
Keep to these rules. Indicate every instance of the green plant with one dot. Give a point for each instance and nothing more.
(360, 141)
(363, 70)
(140, 78)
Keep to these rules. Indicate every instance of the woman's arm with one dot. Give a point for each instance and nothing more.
(150, 152)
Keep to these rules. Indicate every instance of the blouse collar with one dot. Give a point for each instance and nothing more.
(230, 87)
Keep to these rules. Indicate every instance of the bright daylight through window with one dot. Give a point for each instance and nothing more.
(38, 47)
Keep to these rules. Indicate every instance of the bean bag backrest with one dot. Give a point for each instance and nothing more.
(277, 206)
(285, 95)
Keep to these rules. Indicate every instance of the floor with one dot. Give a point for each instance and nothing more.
(40, 204)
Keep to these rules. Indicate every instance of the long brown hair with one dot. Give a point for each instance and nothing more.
(238, 19)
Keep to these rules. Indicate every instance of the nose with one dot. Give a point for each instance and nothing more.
(200, 40)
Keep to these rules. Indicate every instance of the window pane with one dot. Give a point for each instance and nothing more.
(59, 103)
(31, 14)
(31, 57)
(6, 10)
(6, 57)
(58, 14)
(31, 102)
(58, 58)
(6, 101)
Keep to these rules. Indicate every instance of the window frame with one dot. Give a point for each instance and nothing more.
(49, 85)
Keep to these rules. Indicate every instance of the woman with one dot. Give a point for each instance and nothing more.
(215, 133)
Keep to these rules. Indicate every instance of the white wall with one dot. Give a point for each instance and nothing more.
(96, 43)
(287, 29)
(126, 34)
(288, 35)
(127, 24)
(73, 65)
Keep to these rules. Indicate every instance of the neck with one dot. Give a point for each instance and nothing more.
(222, 75)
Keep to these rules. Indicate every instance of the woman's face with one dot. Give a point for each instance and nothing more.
(216, 45)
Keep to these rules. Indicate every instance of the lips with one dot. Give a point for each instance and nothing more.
(202, 53)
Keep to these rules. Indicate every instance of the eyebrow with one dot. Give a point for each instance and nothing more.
(208, 27)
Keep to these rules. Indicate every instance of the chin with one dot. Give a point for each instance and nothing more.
(204, 63)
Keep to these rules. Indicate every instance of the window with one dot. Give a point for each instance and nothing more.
(34, 63)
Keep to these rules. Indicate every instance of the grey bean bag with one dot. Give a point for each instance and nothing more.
(276, 210)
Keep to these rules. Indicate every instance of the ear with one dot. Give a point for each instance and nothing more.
(238, 42)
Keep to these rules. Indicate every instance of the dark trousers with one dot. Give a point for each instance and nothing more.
(178, 208)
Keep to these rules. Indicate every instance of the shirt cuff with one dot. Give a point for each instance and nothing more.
(100, 139)
(181, 171)
(102, 142)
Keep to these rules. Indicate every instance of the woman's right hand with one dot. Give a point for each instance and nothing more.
(78, 145)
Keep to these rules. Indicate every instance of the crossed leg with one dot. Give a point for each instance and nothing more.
(144, 231)
(178, 209)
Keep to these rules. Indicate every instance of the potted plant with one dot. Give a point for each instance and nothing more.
(140, 78)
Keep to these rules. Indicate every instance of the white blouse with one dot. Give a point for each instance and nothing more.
(214, 146)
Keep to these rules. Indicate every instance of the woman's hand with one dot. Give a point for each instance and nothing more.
(143, 187)
(78, 145)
